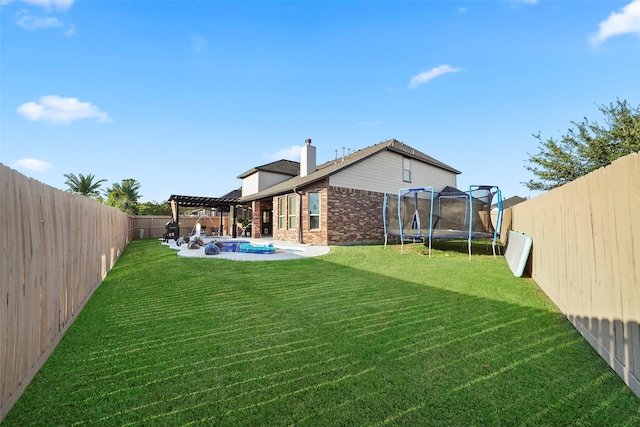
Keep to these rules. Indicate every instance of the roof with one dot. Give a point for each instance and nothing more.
(512, 201)
(451, 191)
(235, 194)
(203, 202)
(283, 167)
(332, 167)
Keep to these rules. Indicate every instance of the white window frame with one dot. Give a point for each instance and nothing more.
(282, 213)
(314, 215)
(406, 169)
(292, 218)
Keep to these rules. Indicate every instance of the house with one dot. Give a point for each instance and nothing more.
(512, 201)
(339, 201)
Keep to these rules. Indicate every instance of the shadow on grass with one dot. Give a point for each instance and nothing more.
(358, 337)
(461, 246)
(478, 247)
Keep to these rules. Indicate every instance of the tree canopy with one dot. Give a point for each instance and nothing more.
(84, 185)
(124, 195)
(154, 208)
(585, 147)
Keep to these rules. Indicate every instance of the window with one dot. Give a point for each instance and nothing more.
(406, 169)
(282, 213)
(293, 220)
(314, 211)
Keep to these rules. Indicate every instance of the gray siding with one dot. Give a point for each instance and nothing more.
(383, 173)
(260, 181)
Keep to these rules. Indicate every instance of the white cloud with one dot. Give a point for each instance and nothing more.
(56, 109)
(625, 21)
(46, 4)
(425, 76)
(29, 22)
(291, 153)
(34, 165)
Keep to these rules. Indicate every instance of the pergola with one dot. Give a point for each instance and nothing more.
(221, 204)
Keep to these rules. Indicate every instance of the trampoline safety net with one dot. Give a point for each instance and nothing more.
(421, 213)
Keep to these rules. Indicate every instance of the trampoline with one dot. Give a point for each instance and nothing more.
(409, 215)
(449, 214)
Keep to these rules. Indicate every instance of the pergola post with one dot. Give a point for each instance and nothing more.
(234, 232)
(220, 203)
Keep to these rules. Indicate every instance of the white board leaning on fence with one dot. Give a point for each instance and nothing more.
(517, 253)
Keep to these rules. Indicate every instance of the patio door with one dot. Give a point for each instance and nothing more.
(266, 223)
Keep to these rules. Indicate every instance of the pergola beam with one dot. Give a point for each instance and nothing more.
(226, 203)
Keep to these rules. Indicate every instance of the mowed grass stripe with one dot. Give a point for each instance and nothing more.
(145, 318)
(425, 312)
(362, 336)
(158, 375)
(109, 374)
(142, 307)
(410, 350)
(271, 383)
(277, 397)
(178, 337)
(269, 377)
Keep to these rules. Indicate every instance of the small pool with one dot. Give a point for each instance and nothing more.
(246, 247)
(231, 246)
(249, 250)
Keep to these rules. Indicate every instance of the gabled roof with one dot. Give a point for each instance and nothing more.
(512, 201)
(448, 190)
(233, 194)
(283, 167)
(329, 168)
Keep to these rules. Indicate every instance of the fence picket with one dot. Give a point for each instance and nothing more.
(588, 262)
(7, 260)
(628, 238)
(50, 264)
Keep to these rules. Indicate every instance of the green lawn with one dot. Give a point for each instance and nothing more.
(362, 336)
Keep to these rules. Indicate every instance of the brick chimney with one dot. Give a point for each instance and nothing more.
(307, 158)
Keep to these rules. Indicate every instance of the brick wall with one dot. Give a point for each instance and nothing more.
(315, 237)
(346, 216)
(354, 215)
(286, 235)
(256, 218)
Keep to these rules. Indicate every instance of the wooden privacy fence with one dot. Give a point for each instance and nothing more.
(586, 258)
(56, 249)
(153, 226)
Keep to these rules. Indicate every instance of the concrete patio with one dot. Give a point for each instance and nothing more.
(286, 250)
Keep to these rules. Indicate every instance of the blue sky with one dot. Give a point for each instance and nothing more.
(184, 96)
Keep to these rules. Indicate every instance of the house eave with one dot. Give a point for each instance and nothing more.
(331, 168)
(422, 159)
(269, 193)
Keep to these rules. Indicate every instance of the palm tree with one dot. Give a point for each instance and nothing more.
(124, 196)
(83, 185)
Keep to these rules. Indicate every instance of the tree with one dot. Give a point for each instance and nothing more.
(83, 185)
(124, 195)
(586, 147)
(154, 208)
